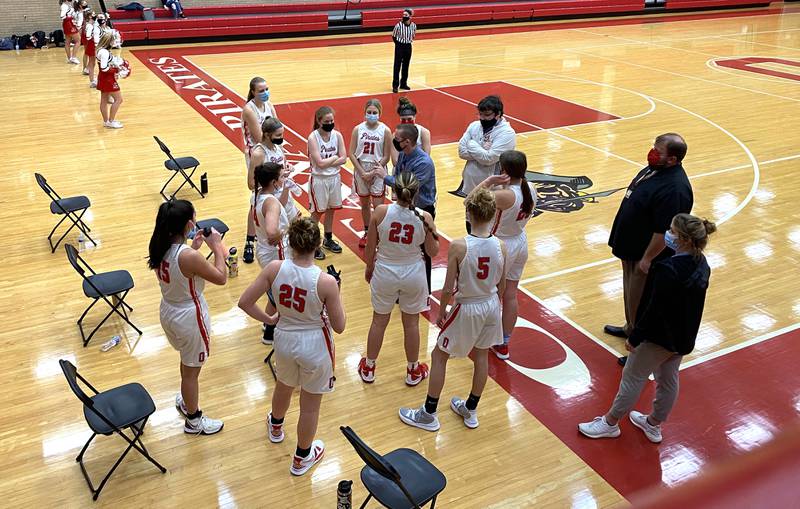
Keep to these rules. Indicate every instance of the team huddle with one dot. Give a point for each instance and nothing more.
(477, 308)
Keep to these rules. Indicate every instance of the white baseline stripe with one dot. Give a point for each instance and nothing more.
(739, 346)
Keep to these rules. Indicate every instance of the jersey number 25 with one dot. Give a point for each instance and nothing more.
(292, 297)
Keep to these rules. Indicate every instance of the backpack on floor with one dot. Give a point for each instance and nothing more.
(23, 41)
(6, 43)
(57, 38)
(39, 39)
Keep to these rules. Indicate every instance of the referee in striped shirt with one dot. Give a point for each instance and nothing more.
(403, 35)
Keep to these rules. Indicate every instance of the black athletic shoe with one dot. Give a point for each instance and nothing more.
(269, 334)
(405, 87)
(332, 246)
(319, 255)
(615, 330)
(394, 90)
(249, 253)
(622, 360)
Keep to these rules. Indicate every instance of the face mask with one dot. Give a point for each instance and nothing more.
(327, 127)
(654, 158)
(406, 120)
(397, 145)
(671, 240)
(192, 233)
(263, 96)
(102, 21)
(277, 141)
(488, 124)
(371, 117)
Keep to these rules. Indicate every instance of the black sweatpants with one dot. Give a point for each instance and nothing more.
(402, 59)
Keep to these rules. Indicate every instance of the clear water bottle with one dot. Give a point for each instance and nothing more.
(233, 263)
(344, 495)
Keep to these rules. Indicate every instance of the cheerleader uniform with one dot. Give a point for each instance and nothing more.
(68, 20)
(106, 79)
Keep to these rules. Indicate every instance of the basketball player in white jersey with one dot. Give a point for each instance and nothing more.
(271, 223)
(182, 272)
(516, 200)
(307, 305)
(370, 148)
(271, 150)
(408, 115)
(476, 270)
(255, 111)
(327, 155)
(396, 274)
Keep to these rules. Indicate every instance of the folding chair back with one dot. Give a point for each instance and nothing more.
(75, 259)
(71, 374)
(185, 166)
(49, 191)
(370, 457)
(165, 149)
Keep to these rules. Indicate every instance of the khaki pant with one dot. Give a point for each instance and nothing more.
(645, 359)
(633, 280)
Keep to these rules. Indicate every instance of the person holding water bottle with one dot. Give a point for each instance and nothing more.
(182, 273)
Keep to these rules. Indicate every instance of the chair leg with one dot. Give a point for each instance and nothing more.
(433, 501)
(80, 323)
(365, 501)
(50, 237)
(187, 179)
(268, 362)
(83, 227)
(222, 236)
(191, 182)
(167, 198)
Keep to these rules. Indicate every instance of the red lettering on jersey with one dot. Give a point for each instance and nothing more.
(483, 267)
(407, 230)
(162, 271)
(521, 216)
(292, 297)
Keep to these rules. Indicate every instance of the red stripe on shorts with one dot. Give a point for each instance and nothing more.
(199, 315)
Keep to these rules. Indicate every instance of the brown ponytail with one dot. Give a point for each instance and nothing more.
(694, 229)
(406, 187)
(253, 82)
(514, 164)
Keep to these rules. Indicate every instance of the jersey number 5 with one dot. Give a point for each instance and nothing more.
(162, 272)
(292, 297)
(483, 267)
(407, 230)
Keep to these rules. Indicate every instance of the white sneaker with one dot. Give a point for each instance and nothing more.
(85, 72)
(274, 431)
(419, 418)
(180, 406)
(116, 124)
(302, 465)
(106, 123)
(653, 433)
(93, 84)
(74, 60)
(599, 428)
(202, 426)
(459, 406)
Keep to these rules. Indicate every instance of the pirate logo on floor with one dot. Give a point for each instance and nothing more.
(557, 193)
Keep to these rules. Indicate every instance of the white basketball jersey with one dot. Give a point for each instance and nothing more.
(400, 235)
(261, 227)
(370, 143)
(326, 149)
(177, 289)
(295, 292)
(261, 116)
(480, 270)
(511, 222)
(274, 155)
(419, 135)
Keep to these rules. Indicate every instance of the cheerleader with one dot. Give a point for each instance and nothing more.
(370, 149)
(271, 223)
(515, 204)
(398, 231)
(307, 306)
(72, 38)
(408, 115)
(89, 48)
(255, 111)
(270, 149)
(182, 273)
(107, 82)
(327, 155)
(475, 274)
(81, 12)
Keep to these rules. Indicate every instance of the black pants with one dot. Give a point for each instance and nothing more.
(402, 59)
(430, 209)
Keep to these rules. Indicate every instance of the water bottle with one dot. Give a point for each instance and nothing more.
(111, 343)
(233, 263)
(344, 495)
(204, 183)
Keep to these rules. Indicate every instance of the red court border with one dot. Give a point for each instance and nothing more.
(758, 386)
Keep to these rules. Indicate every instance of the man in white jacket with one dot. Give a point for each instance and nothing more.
(483, 142)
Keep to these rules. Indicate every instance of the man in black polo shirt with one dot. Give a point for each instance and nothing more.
(659, 192)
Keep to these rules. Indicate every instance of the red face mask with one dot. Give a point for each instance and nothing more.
(654, 158)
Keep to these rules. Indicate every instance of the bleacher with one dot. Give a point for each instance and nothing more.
(324, 17)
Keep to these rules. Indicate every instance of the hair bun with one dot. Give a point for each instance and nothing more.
(710, 226)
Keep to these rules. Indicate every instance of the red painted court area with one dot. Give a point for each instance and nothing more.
(560, 375)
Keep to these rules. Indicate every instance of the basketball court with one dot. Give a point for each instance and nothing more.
(586, 99)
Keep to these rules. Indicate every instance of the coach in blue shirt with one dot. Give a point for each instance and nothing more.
(412, 158)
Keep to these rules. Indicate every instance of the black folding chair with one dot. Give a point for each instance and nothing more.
(268, 358)
(178, 166)
(72, 208)
(125, 407)
(399, 479)
(215, 223)
(115, 284)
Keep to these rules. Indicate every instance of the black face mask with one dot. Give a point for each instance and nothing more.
(277, 141)
(327, 127)
(397, 145)
(488, 124)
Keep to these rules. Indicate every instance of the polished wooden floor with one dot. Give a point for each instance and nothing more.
(742, 129)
